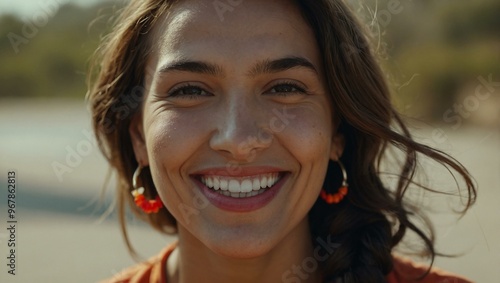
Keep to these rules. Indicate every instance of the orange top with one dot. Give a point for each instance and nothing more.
(153, 271)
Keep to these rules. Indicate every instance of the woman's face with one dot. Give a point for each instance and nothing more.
(236, 123)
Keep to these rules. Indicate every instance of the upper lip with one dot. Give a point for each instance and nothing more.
(238, 171)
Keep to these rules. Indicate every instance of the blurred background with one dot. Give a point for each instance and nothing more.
(442, 59)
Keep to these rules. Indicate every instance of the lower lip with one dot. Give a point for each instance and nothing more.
(245, 204)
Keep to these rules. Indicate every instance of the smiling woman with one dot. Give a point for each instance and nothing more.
(257, 140)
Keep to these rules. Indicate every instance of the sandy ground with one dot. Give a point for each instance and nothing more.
(60, 238)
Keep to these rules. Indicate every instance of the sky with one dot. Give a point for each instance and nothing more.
(25, 8)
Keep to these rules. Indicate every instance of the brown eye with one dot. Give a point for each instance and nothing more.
(287, 89)
(284, 88)
(188, 91)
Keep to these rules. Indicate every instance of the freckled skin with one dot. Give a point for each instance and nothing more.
(224, 124)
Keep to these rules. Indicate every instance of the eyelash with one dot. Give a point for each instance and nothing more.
(175, 91)
(299, 89)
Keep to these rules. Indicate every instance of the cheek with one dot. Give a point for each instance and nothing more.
(171, 137)
(171, 140)
(309, 134)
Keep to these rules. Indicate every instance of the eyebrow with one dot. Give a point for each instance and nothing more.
(262, 67)
(192, 66)
(280, 65)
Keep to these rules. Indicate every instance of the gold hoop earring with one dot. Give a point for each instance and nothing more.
(342, 191)
(148, 206)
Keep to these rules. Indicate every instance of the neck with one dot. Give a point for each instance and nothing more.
(192, 261)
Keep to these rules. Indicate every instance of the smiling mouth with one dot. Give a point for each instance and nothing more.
(241, 187)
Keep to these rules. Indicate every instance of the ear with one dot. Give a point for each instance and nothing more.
(136, 131)
(337, 146)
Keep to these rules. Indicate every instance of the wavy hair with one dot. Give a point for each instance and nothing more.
(372, 219)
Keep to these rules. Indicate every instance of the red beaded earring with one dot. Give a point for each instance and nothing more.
(148, 206)
(342, 192)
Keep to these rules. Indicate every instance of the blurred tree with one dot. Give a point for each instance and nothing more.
(431, 50)
(435, 49)
(49, 58)
(471, 20)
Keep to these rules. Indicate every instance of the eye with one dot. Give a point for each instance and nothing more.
(287, 88)
(188, 91)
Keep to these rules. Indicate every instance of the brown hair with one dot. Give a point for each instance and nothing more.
(372, 219)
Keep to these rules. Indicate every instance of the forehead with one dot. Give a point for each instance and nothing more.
(246, 29)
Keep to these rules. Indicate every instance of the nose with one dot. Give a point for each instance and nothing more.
(242, 131)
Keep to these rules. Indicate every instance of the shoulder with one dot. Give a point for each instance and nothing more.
(150, 271)
(406, 270)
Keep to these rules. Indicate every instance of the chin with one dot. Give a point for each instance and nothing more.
(240, 246)
(241, 249)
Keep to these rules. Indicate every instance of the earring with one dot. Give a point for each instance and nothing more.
(338, 196)
(148, 206)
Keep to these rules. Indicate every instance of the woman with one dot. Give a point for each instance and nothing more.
(254, 132)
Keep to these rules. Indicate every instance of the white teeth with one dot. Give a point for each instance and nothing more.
(263, 181)
(246, 186)
(241, 195)
(256, 184)
(270, 182)
(240, 187)
(224, 185)
(234, 186)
